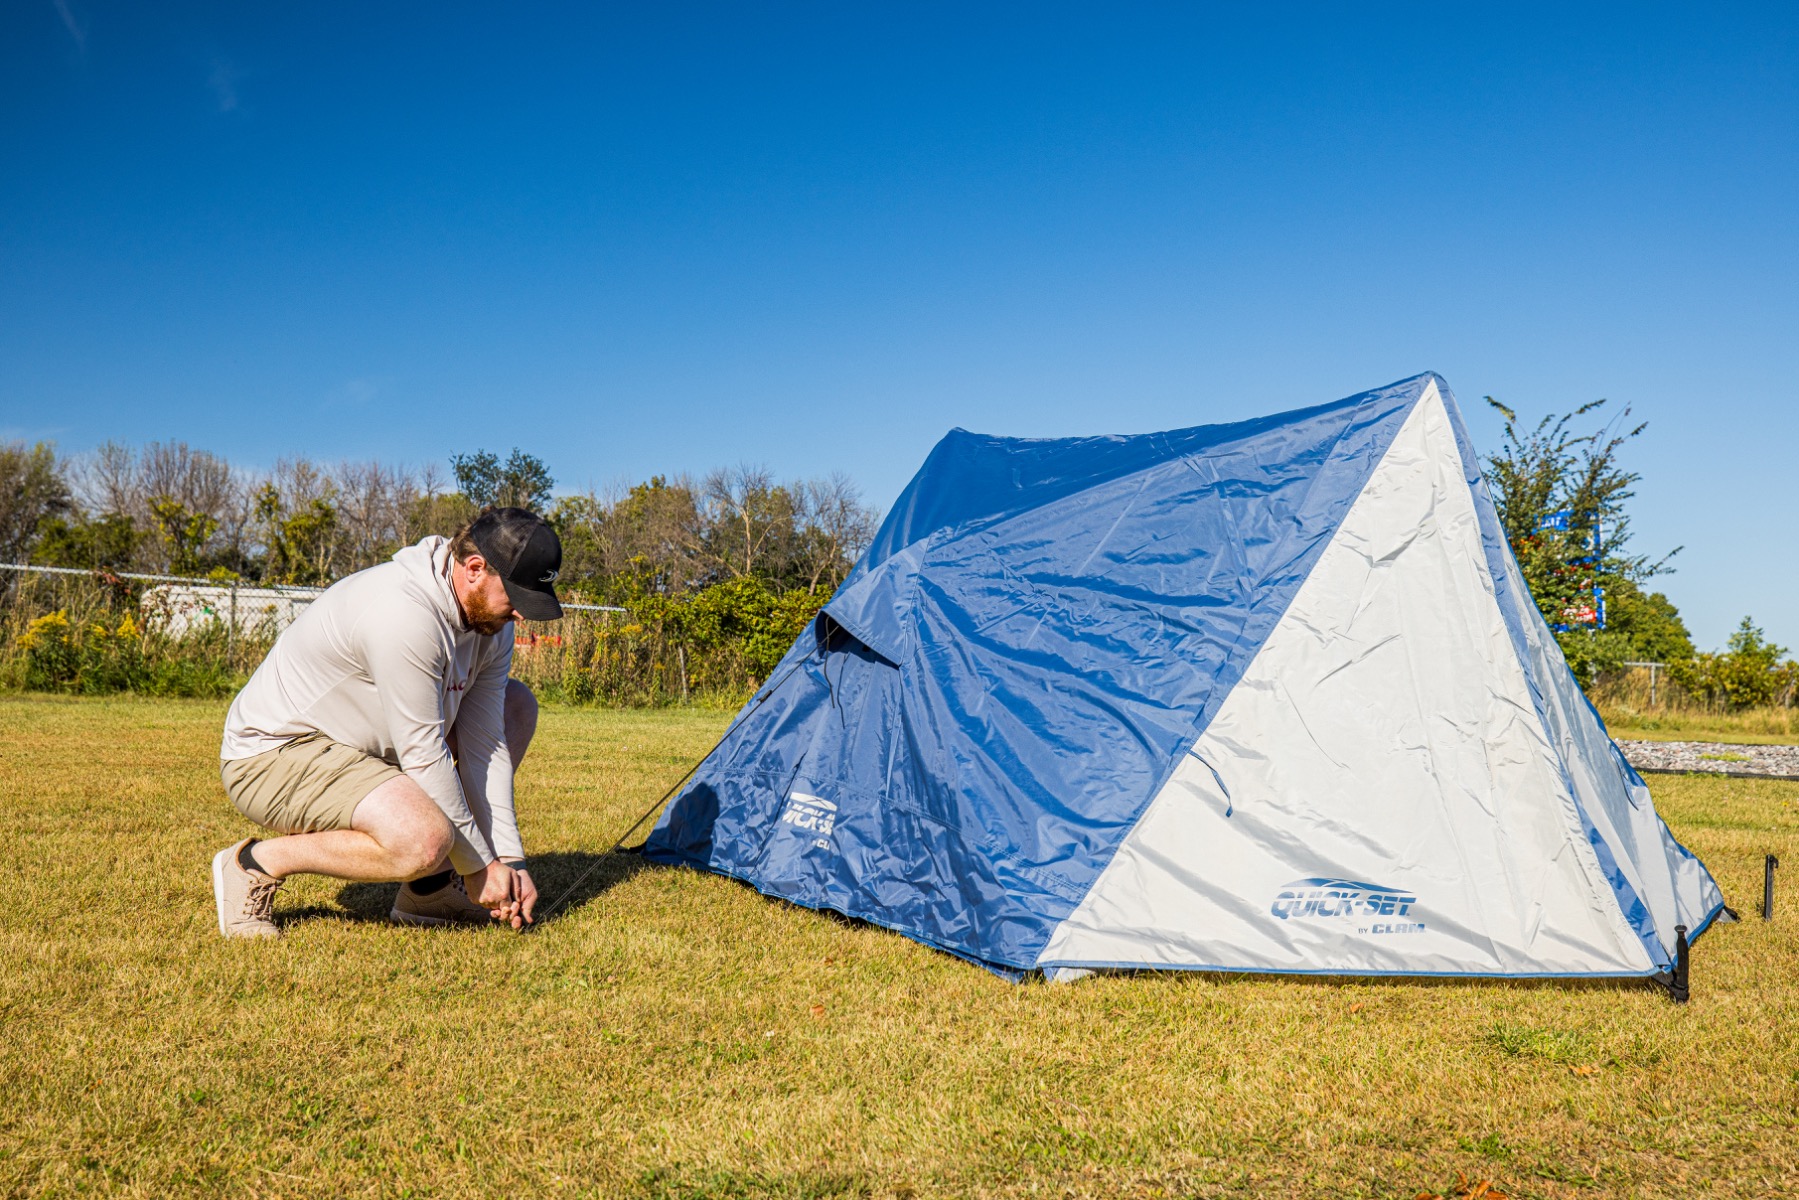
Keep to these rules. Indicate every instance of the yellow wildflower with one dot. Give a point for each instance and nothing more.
(51, 627)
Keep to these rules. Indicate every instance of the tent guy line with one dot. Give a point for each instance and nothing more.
(618, 845)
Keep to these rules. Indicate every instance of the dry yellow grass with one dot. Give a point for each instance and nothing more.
(677, 1035)
(1754, 726)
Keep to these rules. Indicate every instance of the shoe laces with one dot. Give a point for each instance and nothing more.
(259, 901)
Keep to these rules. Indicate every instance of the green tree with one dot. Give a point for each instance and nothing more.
(184, 534)
(1648, 622)
(302, 543)
(751, 526)
(1559, 493)
(431, 511)
(521, 481)
(836, 529)
(32, 490)
(1748, 674)
(76, 540)
(646, 541)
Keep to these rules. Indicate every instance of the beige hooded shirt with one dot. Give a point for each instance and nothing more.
(382, 662)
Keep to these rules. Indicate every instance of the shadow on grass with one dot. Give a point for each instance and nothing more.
(566, 880)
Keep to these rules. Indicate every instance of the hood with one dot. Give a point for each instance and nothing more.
(427, 567)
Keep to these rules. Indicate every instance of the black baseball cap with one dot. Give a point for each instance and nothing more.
(525, 552)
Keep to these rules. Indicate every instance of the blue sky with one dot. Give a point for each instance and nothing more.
(662, 238)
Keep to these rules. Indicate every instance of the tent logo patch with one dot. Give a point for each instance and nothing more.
(811, 814)
(1347, 900)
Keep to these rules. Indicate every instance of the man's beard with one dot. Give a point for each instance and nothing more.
(482, 619)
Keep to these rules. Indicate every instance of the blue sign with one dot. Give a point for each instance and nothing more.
(1578, 616)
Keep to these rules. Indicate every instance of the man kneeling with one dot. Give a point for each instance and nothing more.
(381, 734)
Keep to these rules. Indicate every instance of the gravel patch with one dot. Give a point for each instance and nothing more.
(1716, 758)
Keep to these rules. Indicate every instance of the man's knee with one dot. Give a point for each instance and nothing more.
(408, 825)
(428, 852)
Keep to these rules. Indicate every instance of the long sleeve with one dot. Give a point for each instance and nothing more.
(407, 664)
(482, 757)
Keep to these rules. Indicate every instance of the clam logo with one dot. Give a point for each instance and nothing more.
(548, 577)
(1346, 900)
(812, 815)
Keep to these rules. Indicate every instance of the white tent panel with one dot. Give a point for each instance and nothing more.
(1378, 793)
(1668, 880)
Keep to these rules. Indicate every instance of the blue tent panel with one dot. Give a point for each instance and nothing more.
(1040, 631)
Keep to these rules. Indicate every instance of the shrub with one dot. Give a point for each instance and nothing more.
(97, 657)
(712, 646)
(51, 656)
(91, 638)
(1749, 674)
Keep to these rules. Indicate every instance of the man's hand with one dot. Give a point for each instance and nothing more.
(525, 892)
(508, 894)
(491, 887)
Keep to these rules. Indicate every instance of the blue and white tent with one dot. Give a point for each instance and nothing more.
(1267, 696)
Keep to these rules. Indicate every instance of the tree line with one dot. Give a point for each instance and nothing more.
(719, 574)
(171, 509)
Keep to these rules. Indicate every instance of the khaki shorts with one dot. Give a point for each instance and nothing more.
(312, 783)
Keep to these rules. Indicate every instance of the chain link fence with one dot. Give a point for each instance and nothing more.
(93, 632)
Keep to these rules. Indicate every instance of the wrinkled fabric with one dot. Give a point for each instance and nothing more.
(995, 694)
(1380, 793)
(1657, 883)
(962, 744)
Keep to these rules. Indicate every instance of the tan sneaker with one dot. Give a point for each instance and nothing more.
(448, 905)
(246, 899)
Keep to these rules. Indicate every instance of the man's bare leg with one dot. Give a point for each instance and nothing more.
(397, 832)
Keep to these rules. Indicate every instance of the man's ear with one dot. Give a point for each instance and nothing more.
(474, 564)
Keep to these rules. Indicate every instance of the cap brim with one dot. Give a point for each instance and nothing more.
(531, 604)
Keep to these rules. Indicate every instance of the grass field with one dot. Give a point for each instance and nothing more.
(1755, 727)
(676, 1035)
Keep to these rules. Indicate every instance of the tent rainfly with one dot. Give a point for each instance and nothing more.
(1268, 696)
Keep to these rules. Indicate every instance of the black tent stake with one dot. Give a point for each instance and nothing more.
(1677, 987)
